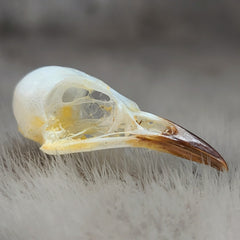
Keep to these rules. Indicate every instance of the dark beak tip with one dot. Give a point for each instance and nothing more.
(197, 151)
(214, 159)
(223, 165)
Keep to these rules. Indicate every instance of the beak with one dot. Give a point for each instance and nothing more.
(182, 143)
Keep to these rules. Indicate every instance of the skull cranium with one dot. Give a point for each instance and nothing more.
(68, 111)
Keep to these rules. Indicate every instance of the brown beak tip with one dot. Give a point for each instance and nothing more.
(222, 165)
(201, 153)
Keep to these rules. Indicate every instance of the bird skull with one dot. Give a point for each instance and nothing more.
(68, 111)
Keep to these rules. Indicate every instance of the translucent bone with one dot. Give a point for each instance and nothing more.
(66, 111)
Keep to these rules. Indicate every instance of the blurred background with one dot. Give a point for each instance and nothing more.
(177, 59)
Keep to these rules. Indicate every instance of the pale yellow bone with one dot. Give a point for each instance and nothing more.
(68, 111)
(56, 107)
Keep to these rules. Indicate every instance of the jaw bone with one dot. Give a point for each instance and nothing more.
(68, 111)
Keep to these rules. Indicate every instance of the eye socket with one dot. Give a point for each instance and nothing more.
(73, 93)
(99, 96)
(92, 111)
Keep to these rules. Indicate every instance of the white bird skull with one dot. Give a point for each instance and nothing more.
(68, 111)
